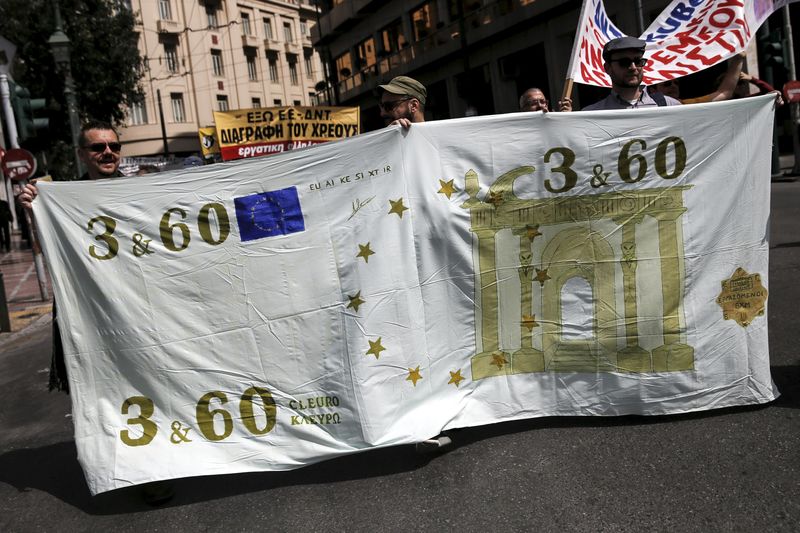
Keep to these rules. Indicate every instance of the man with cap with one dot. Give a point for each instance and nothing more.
(624, 63)
(403, 101)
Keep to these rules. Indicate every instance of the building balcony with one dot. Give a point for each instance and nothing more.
(271, 45)
(250, 41)
(167, 26)
(293, 47)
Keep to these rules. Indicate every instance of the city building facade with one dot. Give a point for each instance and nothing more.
(475, 56)
(207, 55)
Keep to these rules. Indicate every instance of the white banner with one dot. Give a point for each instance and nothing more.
(687, 37)
(270, 313)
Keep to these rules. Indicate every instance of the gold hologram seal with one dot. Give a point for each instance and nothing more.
(743, 297)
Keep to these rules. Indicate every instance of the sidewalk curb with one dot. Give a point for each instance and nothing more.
(7, 338)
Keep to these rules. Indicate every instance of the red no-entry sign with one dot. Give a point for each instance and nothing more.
(19, 164)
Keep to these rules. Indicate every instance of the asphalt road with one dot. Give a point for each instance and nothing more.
(726, 470)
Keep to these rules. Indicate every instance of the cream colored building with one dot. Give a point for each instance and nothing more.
(206, 55)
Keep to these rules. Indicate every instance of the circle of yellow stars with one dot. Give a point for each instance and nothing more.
(446, 188)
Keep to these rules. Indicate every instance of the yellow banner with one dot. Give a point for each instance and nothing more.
(208, 140)
(271, 130)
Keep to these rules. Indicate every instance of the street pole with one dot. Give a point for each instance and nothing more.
(9, 194)
(163, 124)
(794, 108)
(639, 17)
(59, 46)
(5, 95)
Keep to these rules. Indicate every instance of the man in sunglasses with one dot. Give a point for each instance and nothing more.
(624, 64)
(99, 149)
(403, 101)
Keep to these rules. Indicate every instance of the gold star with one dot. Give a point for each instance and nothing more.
(529, 321)
(355, 301)
(414, 375)
(499, 359)
(533, 232)
(541, 276)
(495, 198)
(365, 252)
(397, 207)
(375, 348)
(455, 377)
(447, 188)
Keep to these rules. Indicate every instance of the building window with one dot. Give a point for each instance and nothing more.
(246, 24)
(222, 102)
(309, 61)
(268, 29)
(344, 65)
(178, 109)
(422, 21)
(252, 72)
(366, 53)
(137, 114)
(171, 55)
(216, 62)
(255, 103)
(276, 102)
(288, 34)
(303, 28)
(393, 38)
(312, 98)
(293, 79)
(273, 69)
(297, 102)
(164, 10)
(211, 16)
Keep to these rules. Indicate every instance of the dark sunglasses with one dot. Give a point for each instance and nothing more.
(389, 106)
(626, 62)
(99, 148)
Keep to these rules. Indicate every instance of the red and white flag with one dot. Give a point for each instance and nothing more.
(687, 37)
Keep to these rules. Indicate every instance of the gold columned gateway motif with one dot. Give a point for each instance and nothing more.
(574, 252)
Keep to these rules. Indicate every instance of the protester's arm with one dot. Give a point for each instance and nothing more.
(565, 105)
(29, 192)
(763, 87)
(729, 81)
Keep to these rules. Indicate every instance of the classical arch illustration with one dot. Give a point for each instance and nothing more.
(575, 251)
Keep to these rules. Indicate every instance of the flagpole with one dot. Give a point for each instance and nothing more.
(567, 92)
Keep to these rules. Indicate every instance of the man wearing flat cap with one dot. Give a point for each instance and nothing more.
(624, 63)
(403, 101)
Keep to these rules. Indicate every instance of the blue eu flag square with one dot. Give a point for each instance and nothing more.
(268, 214)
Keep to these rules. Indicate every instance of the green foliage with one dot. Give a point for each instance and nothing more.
(106, 65)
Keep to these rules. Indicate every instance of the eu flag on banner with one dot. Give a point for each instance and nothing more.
(268, 214)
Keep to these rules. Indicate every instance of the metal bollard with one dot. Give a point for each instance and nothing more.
(5, 321)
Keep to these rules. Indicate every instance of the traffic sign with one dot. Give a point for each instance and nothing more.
(791, 91)
(19, 164)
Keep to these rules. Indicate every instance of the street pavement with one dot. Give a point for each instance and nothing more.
(735, 469)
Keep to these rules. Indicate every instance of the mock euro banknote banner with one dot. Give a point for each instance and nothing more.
(687, 37)
(269, 313)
